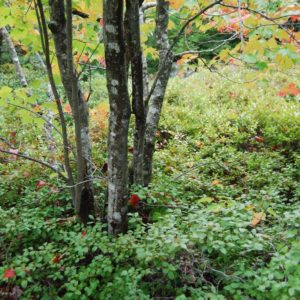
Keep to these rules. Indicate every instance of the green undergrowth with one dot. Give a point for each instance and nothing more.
(221, 219)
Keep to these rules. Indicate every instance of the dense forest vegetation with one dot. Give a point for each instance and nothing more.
(149, 149)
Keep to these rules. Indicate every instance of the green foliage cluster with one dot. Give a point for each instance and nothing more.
(220, 221)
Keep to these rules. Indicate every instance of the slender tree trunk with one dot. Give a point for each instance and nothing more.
(144, 59)
(46, 49)
(14, 56)
(157, 98)
(135, 51)
(62, 34)
(114, 41)
(50, 116)
(1, 45)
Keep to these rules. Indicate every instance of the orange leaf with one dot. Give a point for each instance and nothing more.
(294, 18)
(176, 3)
(85, 58)
(257, 218)
(68, 109)
(216, 182)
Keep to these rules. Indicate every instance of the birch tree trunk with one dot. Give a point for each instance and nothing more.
(114, 41)
(157, 98)
(84, 198)
(14, 56)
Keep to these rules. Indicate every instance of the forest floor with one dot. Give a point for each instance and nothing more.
(221, 219)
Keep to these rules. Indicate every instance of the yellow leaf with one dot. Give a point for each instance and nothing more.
(224, 54)
(37, 108)
(171, 25)
(216, 182)
(257, 218)
(284, 61)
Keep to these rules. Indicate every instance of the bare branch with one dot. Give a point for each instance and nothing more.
(36, 161)
(36, 114)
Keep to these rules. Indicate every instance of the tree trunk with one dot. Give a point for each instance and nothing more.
(51, 144)
(157, 98)
(84, 199)
(54, 92)
(14, 56)
(135, 51)
(119, 116)
(1, 45)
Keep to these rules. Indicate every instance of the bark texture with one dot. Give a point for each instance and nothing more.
(46, 49)
(14, 56)
(114, 41)
(84, 199)
(157, 98)
(138, 108)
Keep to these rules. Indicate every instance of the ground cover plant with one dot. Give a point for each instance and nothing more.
(149, 149)
(219, 221)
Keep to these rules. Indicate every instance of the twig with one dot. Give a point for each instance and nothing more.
(36, 114)
(264, 17)
(36, 161)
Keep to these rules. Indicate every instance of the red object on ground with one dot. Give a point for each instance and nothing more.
(9, 273)
(134, 200)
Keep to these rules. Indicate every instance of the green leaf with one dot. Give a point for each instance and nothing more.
(5, 91)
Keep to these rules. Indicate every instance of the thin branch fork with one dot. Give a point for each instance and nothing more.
(264, 17)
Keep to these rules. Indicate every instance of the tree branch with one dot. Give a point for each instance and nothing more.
(36, 114)
(202, 11)
(148, 5)
(36, 161)
(264, 17)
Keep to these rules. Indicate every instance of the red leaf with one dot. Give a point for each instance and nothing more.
(83, 234)
(40, 184)
(56, 259)
(259, 139)
(291, 89)
(9, 273)
(101, 22)
(134, 200)
(85, 58)
(294, 18)
(281, 94)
